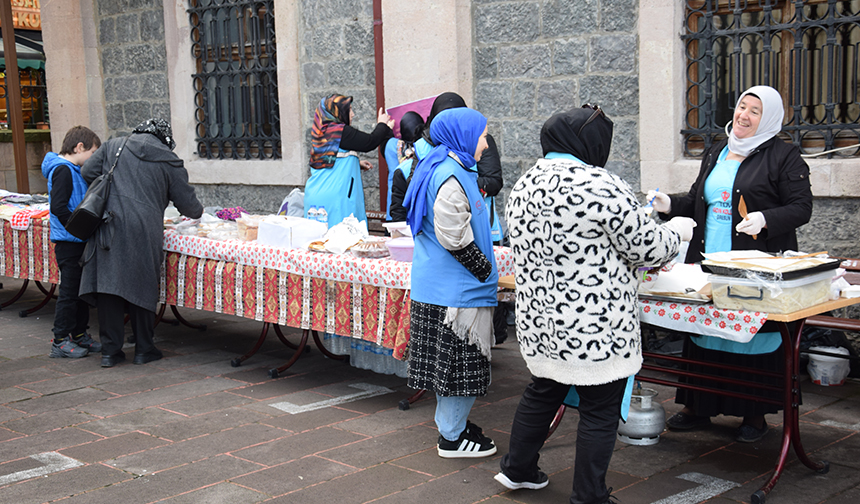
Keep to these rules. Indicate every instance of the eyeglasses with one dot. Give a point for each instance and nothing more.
(597, 112)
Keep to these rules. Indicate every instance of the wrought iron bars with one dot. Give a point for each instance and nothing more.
(809, 50)
(236, 86)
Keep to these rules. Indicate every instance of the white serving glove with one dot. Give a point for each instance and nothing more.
(683, 226)
(661, 203)
(753, 224)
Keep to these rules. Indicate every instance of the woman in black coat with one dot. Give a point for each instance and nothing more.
(773, 180)
(123, 260)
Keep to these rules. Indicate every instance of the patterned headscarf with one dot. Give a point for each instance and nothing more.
(160, 128)
(331, 116)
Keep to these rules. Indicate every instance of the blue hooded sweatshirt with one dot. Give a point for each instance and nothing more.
(79, 189)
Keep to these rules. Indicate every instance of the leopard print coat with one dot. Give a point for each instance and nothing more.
(578, 235)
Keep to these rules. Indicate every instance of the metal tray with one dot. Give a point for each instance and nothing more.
(767, 275)
(674, 299)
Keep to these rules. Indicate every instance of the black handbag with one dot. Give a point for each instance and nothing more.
(91, 212)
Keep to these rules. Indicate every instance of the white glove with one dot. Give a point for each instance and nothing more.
(661, 203)
(683, 226)
(753, 224)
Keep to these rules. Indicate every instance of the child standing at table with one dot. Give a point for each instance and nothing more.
(66, 188)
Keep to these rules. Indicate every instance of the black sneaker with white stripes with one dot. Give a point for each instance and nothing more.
(472, 443)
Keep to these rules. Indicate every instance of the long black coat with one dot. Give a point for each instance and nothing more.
(147, 176)
(773, 180)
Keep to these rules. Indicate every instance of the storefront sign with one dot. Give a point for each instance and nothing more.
(26, 14)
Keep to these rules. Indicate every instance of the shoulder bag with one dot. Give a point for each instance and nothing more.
(90, 213)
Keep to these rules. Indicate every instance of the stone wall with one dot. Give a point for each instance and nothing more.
(536, 58)
(336, 56)
(38, 144)
(134, 63)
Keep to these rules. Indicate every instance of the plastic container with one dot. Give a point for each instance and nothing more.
(397, 229)
(828, 371)
(401, 248)
(322, 215)
(248, 225)
(313, 213)
(770, 296)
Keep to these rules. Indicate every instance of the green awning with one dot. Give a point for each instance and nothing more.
(26, 63)
(27, 57)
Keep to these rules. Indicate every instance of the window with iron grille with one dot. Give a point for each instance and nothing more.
(808, 50)
(235, 86)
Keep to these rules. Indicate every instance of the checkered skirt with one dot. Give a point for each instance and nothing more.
(441, 362)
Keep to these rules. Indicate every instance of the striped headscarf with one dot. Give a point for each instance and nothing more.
(331, 116)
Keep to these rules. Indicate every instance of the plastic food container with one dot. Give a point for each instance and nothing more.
(770, 296)
(398, 229)
(370, 247)
(828, 371)
(401, 248)
(248, 226)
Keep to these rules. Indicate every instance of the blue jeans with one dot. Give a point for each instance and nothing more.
(451, 415)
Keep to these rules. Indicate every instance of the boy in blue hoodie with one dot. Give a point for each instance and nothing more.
(66, 188)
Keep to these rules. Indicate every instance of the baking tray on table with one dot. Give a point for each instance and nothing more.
(674, 299)
(831, 264)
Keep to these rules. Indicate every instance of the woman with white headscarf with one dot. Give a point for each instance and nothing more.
(774, 182)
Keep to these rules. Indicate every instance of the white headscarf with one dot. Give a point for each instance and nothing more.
(772, 114)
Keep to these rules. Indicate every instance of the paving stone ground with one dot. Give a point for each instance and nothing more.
(193, 429)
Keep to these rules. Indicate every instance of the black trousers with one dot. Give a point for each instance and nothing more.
(112, 310)
(599, 412)
(71, 315)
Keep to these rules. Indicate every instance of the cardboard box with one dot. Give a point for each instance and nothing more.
(289, 232)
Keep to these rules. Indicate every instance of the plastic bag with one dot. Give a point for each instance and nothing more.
(293, 204)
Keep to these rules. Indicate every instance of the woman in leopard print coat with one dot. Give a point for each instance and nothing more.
(578, 236)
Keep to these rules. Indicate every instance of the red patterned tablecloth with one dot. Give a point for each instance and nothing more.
(383, 272)
(28, 255)
(376, 314)
(707, 319)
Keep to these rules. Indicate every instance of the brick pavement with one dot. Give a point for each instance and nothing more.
(192, 429)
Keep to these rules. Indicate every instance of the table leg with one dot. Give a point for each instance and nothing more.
(17, 295)
(790, 413)
(556, 420)
(284, 340)
(183, 321)
(404, 404)
(275, 372)
(160, 314)
(48, 295)
(239, 360)
(325, 350)
(42, 288)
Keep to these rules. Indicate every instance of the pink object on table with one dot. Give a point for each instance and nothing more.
(401, 248)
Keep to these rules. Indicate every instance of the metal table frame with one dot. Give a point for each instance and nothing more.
(790, 387)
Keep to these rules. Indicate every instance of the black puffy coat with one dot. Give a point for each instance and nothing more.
(773, 180)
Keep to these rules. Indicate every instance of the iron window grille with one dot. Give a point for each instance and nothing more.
(235, 86)
(809, 50)
(34, 97)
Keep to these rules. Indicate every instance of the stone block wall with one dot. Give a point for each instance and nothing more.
(36, 149)
(337, 57)
(130, 36)
(534, 58)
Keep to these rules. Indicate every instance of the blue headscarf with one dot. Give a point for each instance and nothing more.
(454, 130)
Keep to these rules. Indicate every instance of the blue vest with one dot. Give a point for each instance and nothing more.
(437, 277)
(392, 160)
(79, 189)
(338, 189)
